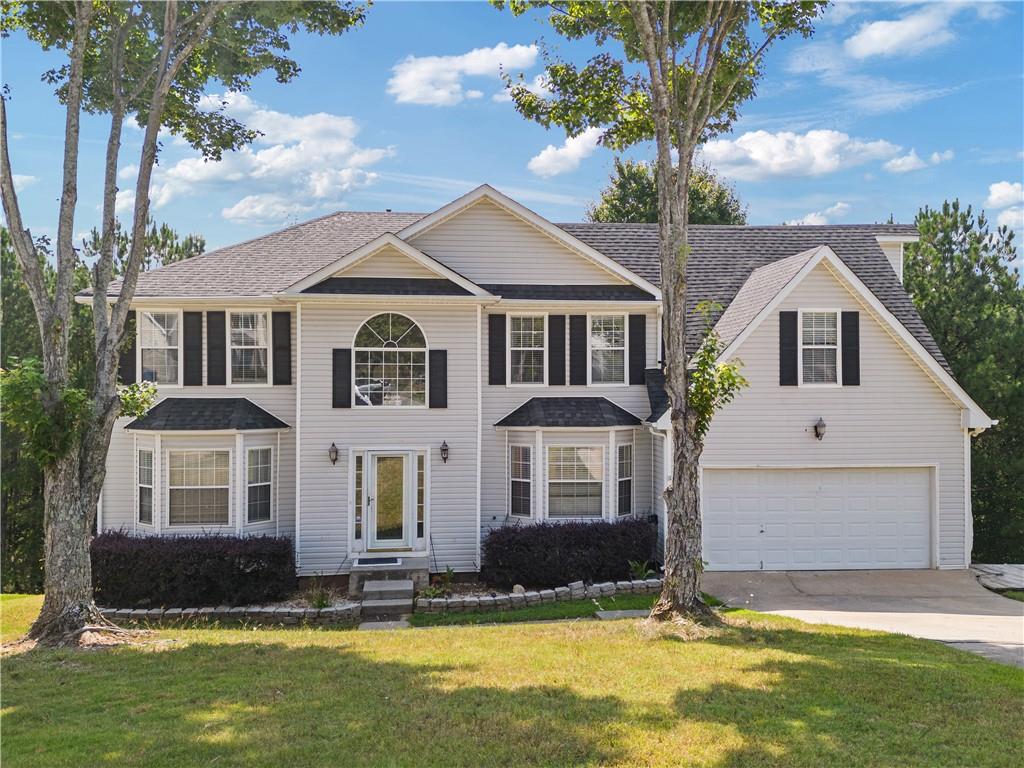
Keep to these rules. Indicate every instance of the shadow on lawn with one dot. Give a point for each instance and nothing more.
(278, 705)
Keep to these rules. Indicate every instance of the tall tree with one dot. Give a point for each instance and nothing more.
(966, 282)
(676, 73)
(21, 482)
(632, 196)
(150, 62)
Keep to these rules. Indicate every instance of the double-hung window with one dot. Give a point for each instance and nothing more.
(249, 348)
(608, 349)
(526, 349)
(625, 480)
(198, 487)
(520, 487)
(158, 345)
(575, 481)
(145, 510)
(258, 485)
(819, 347)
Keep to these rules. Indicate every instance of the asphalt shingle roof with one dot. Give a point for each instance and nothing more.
(570, 292)
(569, 412)
(206, 413)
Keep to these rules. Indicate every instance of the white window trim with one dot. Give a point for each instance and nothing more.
(631, 477)
(181, 344)
(248, 485)
(139, 484)
(508, 350)
(548, 481)
(230, 524)
(426, 367)
(625, 351)
(270, 348)
(528, 480)
(800, 348)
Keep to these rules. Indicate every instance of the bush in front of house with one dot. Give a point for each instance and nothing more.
(556, 554)
(190, 571)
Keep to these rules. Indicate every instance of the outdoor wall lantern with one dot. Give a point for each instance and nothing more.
(444, 451)
(332, 453)
(819, 428)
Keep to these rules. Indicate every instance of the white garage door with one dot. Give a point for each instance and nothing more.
(817, 519)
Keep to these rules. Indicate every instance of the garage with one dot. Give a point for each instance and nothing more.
(817, 519)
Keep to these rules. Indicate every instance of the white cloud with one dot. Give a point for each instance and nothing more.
(299, 163)
(1004, 193)
(941, 157)
(437, 80)
(1012, 218)
(125, 200)
(906, 163)
(760, 154)
(260, 208)
(836, 211)
(990, 11)
(21, 181)
(553, 160)
(917, 31)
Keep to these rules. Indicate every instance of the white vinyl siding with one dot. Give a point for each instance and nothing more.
(388, 262)
(489, 245)
(898, 416)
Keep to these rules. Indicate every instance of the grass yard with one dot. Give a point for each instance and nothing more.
(1013, 594)
(764, 691)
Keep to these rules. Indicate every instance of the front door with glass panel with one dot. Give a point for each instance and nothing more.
(388, 501)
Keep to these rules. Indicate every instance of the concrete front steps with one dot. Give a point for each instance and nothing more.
(386, 600)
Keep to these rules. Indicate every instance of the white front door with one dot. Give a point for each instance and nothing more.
(817, 519)
(389, 501)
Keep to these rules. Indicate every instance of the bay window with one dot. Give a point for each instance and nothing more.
(198, 487)
(575, 482)
(520, 485)
(145, 483)
(258, 507)
(625, 480)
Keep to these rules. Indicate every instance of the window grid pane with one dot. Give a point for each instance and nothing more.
(258, 505)
(359, 497)
(145, 481)
(198, 492)
(519, 473)
(526, 349)
(608, 349)
(625, 482)
(820, 342)
(390, 363)
(421, 492)
(575, 487)
(158, 340)
(249, 347)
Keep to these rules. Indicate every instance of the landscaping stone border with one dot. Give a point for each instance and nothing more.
(504, 602)
(253, 614)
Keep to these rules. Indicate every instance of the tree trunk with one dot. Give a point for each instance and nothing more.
(68, 605)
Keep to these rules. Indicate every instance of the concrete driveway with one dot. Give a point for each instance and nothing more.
(948, 606)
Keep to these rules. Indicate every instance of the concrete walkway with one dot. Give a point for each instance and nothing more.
(948, 606)
(1001, 576)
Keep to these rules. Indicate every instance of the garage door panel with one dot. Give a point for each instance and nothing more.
(817, 518)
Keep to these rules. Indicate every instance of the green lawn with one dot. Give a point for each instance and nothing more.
(16, 614)
(1013, 594)
(766, 691)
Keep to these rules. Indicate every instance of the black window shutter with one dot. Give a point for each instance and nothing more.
(577, 349)
(438, 378)
(637, 348)
(192, 336)
(281, 326)
(496, 349)
(216, 353)
(126, 359)
(851, 349)
(341, 379)
(787, 349)
(556, 350)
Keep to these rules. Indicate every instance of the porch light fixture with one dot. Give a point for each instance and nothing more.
(819, 428)
(444, 451)
(332, 453)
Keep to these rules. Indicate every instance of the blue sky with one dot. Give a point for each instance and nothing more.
(887, 108)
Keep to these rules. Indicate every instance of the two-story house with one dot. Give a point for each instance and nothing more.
(396, 384)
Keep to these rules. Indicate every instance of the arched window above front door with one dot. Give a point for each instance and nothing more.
(390, 363)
